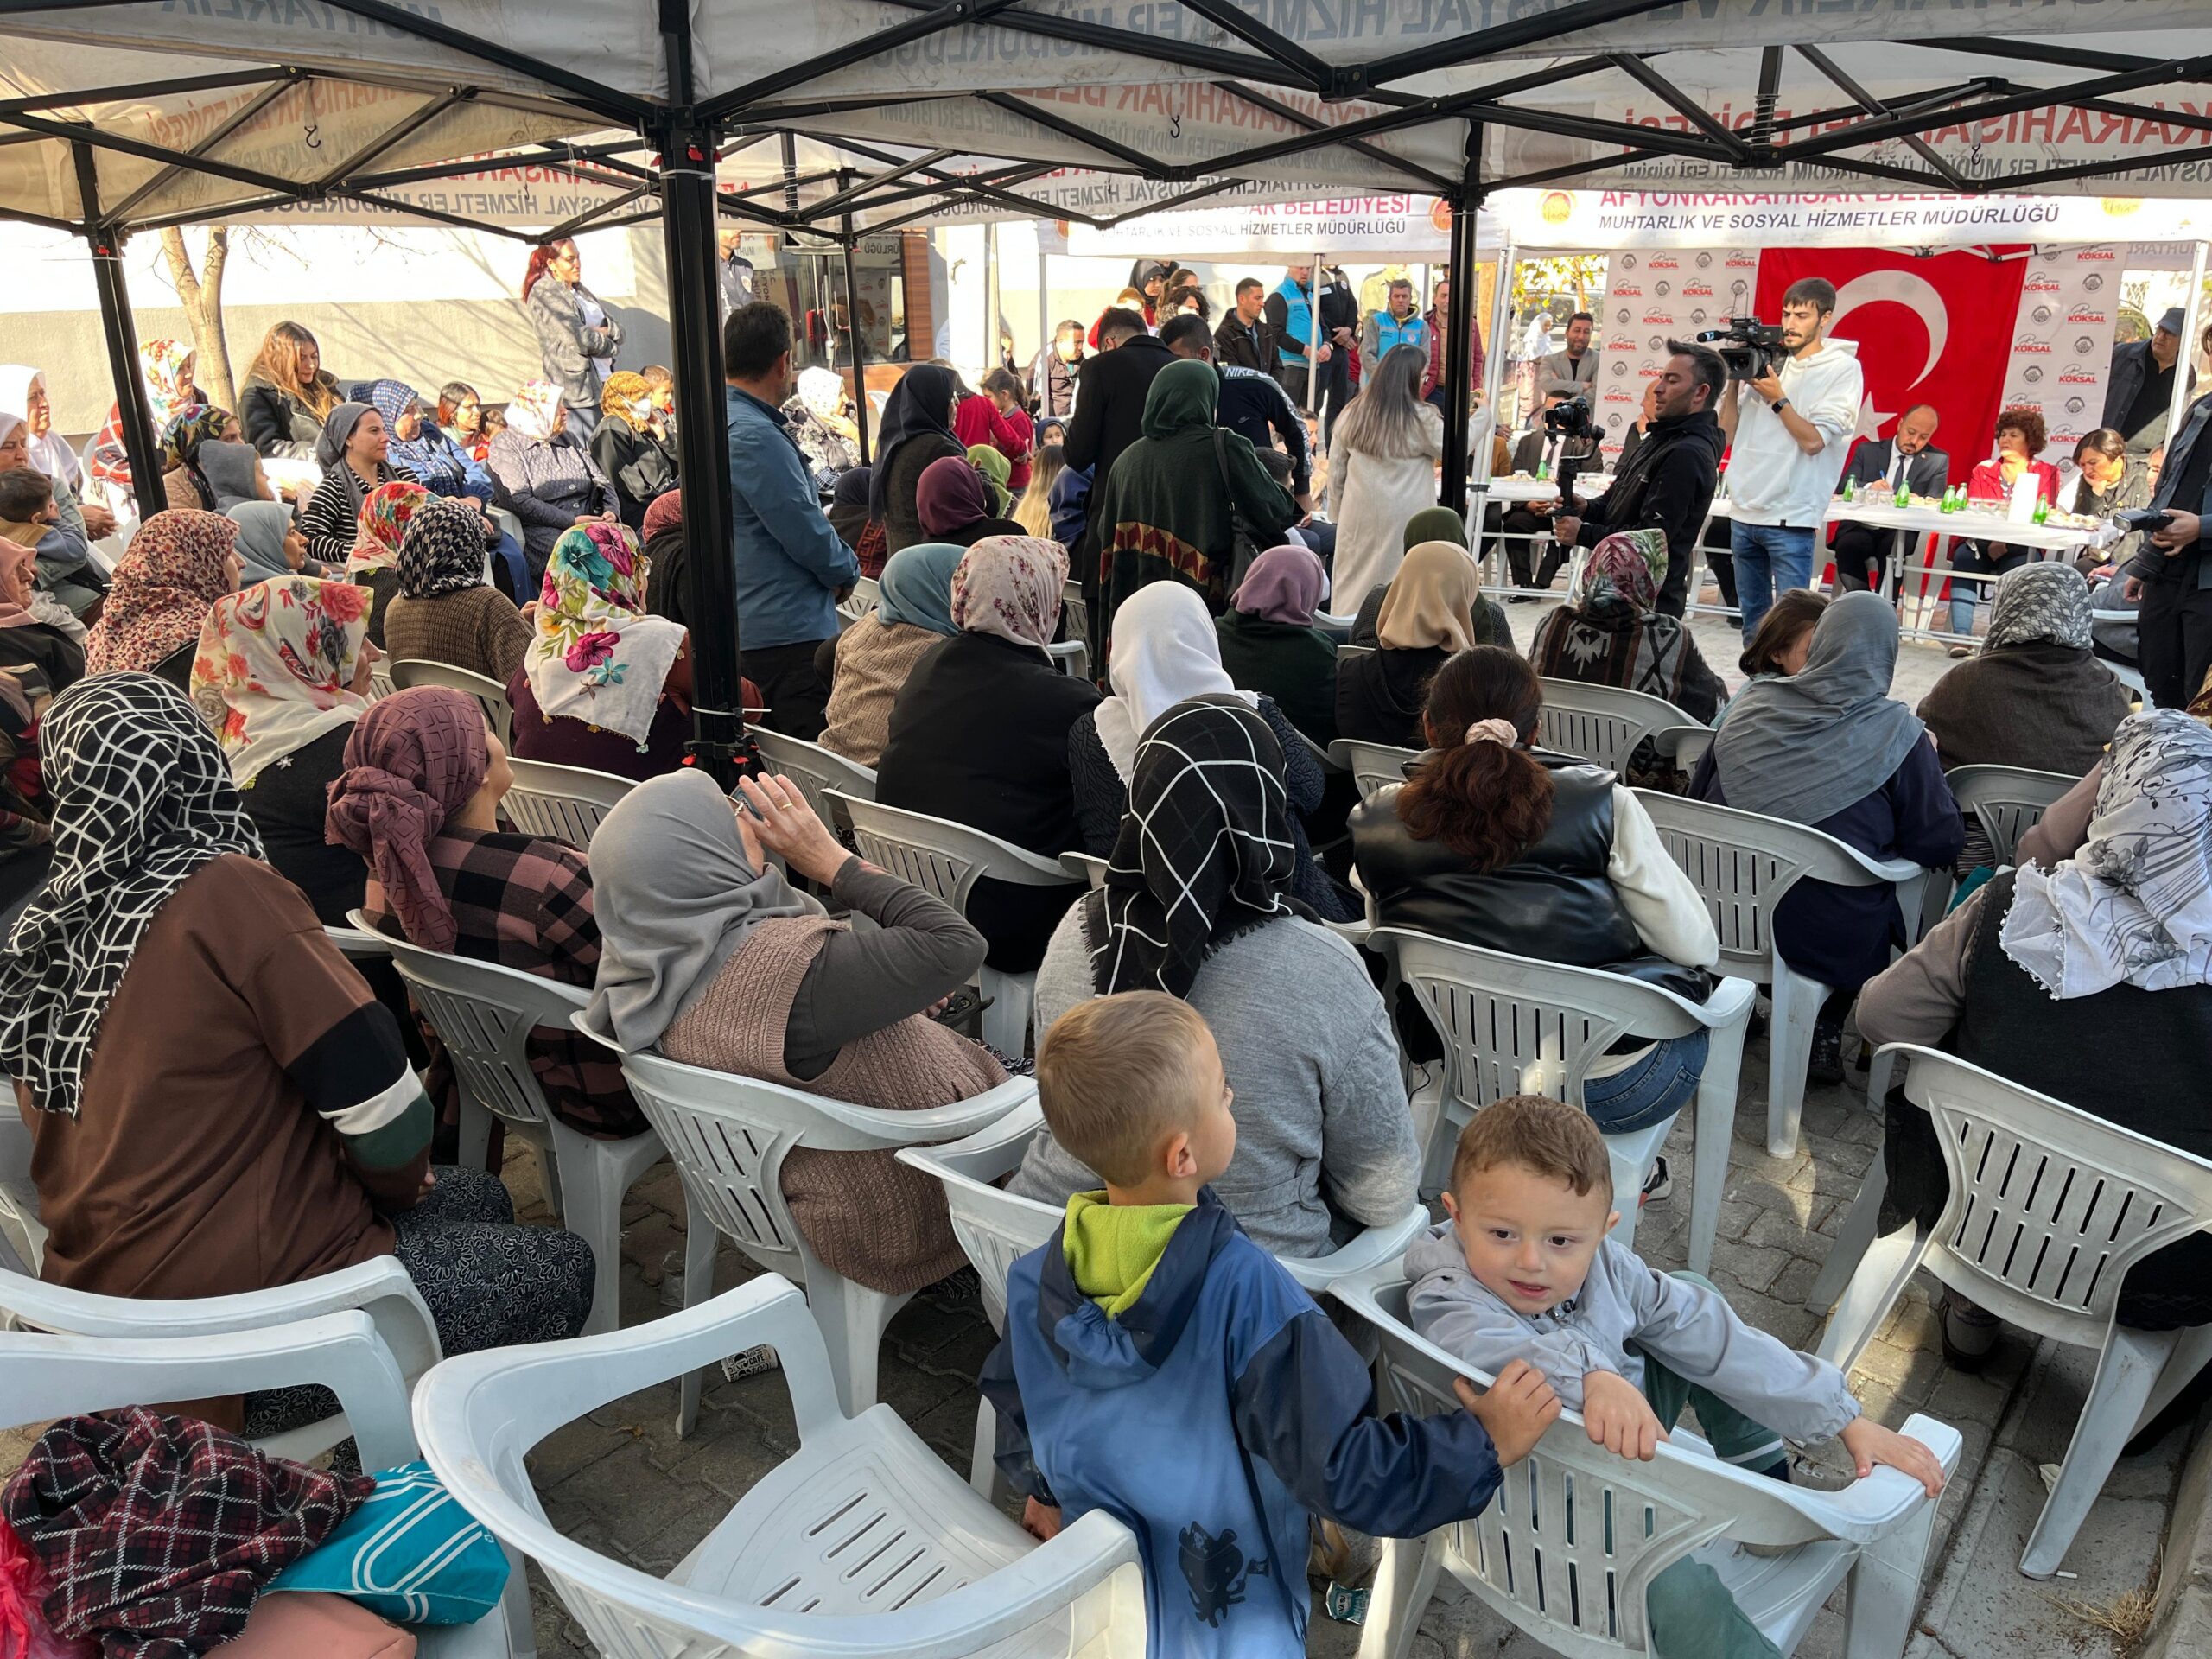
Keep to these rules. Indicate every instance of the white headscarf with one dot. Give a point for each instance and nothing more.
(2134, 905)
(1165, 652)
(822, 392)
(50, 455)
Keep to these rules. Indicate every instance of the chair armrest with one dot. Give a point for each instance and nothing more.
(1372, 1248)
(993, 1150)
(1866, 1509)
(1354, 933)
(1731, 1001)
(939, 1123)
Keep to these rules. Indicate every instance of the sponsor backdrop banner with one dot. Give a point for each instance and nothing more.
(1652, 296)
(2061, 341)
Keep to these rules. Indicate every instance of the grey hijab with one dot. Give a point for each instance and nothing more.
(2047, 600)
(1806, 745)
(228, 468)
(675, 897)
(330, 447)
(260, 545)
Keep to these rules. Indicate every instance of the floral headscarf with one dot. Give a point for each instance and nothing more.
(531, 411)
(385, 514)
(161, 363)
(1009, 586)
(276, 668)
(189, 428)
(597, 657)
(164, 585)
(1623, 570)
(440, 551)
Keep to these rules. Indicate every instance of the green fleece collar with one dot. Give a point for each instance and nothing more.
(1112, 1248)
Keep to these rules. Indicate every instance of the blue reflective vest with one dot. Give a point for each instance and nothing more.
(1391, 331)
(1298, 323)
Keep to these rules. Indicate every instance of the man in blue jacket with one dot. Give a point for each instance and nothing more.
(791, 567)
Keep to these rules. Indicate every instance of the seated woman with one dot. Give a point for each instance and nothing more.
(545, 477)
(419, 802)
(979, 733)
(1828, 747)
(262, 1111)
(165, 371)
(1611, 634)
(664, 549)
(1486, 622)
(603, 684)
(268, 544)
(711, 956)
(287, 397)
(176, 569)
(2021, 437)
(64, 536)
(1197, 903)
(61, 574)
(1033, 510)
(1424, 619)
(280, 675)
(1269, 643)
(25, 842)
(1784, 638)
(848, 514)
(446, 610)
(1166, 652)
(626, 448)
(955, 506)
(41, 643)
(2039, 975)
(420, 448)
(815, 416)
(1493, 843)
(354, 456)
(915, 432)
(912, 616)
(386, 512)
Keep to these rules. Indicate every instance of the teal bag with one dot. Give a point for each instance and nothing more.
(410, 1553)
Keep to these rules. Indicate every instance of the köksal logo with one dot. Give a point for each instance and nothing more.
(2034, 343)
(2078, 375)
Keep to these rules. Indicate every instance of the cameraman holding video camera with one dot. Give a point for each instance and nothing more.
(1790, 437)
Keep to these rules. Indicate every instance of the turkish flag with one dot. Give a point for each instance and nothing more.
(1936, 331)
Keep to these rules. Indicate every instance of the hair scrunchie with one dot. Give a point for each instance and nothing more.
(1493, 731)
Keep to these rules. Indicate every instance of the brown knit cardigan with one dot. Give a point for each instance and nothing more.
(873, 659)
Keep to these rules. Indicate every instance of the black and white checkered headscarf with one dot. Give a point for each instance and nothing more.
(1205, 851)
(142, 797)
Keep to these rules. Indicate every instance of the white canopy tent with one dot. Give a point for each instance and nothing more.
(122, 115)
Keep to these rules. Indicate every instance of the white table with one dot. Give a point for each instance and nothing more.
(1516, 490)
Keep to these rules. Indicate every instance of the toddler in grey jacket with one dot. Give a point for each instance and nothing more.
(1524, 1270)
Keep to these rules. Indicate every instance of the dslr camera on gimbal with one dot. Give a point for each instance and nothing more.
(1748, 347)
(1570, 419)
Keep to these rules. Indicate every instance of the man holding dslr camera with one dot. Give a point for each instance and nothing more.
(1667, 484)
(1790, 436)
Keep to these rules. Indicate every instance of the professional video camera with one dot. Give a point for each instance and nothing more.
(1571, 419)
(1748, 347)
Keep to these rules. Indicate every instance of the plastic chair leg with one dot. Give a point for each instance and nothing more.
(2192, 1352)
(1852, 1241)
(1403, 1584)
(475, 1135)
(1797, 1005)
(2127, 1371)
(591, 1206)
(983, 1474)
(700, 1240)
(1006, 1022)
(1716, 1132)
(851, 1318)
(1873, 1291)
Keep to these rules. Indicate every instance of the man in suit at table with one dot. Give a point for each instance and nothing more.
(1862, 552)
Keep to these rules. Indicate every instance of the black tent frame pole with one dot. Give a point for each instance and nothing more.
(122, 332)
(853, 341)
(1458, 340)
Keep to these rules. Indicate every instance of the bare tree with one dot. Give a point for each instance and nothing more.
(200, 292)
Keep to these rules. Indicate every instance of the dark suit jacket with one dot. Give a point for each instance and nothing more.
(1109, 404)
(1927, 474)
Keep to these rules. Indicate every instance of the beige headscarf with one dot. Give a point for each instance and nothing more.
(1429, 600)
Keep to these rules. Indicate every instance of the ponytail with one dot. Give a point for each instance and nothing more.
(1488, 801)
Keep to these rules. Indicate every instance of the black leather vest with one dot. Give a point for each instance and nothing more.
(1555, 902)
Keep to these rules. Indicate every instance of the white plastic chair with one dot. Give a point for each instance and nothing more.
(561, 803)
(1338, 628)
(1347, 652)
(1571, 1542)
(1684, 746)
(1511, 1026)
(1092, 870)
(379, 1289)
(1076, 609)
(1601, 723)
(948, 859)
(2008, 801)
(490, 694)
(44, 1377)
(380, 685)
(2049, 1209)
(1742, 865)
(729, 1136)
(357, 945)
(817, 771)
(1071, 658)
(1374, 767)
(22, 1236)
(861, 1542)
(484, 1014)
(993, 1227)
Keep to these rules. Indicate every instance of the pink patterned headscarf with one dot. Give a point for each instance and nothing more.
(1010, 586)
(275, 668)
(597, 657)
(531, 411)
(414, 760)
(166, 582)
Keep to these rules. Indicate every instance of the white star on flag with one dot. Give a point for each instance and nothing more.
(1871, 418)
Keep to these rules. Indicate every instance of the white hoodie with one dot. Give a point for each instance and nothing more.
(1771, 479)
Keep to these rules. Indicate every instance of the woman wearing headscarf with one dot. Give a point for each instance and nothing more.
(1493, 843)
(604, 684)
(576, 337)
(953, 501)
(176, 569)
(268, 544)
(1827, 747)
(1269, 643)
(1197, 903)
(353, 453)
(979, 733)
(665, 549)
(280, 675)
(41, 643)
(420, 448)
(1486, 623)
(996, 472)
(626, 448)
(713, 958)
(67, 574)
(1609, 633)
(262, 1114)
(1166, 652)
(446, 611)
(165, 374)
(916, 430)
(2050, 977)
(545, 477)
(1171, 507)
(26, 843)
(373, 561)
(183, 481)
(23, 395)
(1382, 467)
(815, 416)
(913, 615)
(1423, 620)
(64, 570)
(419, 802)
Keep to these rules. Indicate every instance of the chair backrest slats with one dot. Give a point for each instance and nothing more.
(1601, 723)
(561, 803)
(1374, 767)
(816, 771)
(2007, 801)
(490, 694)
